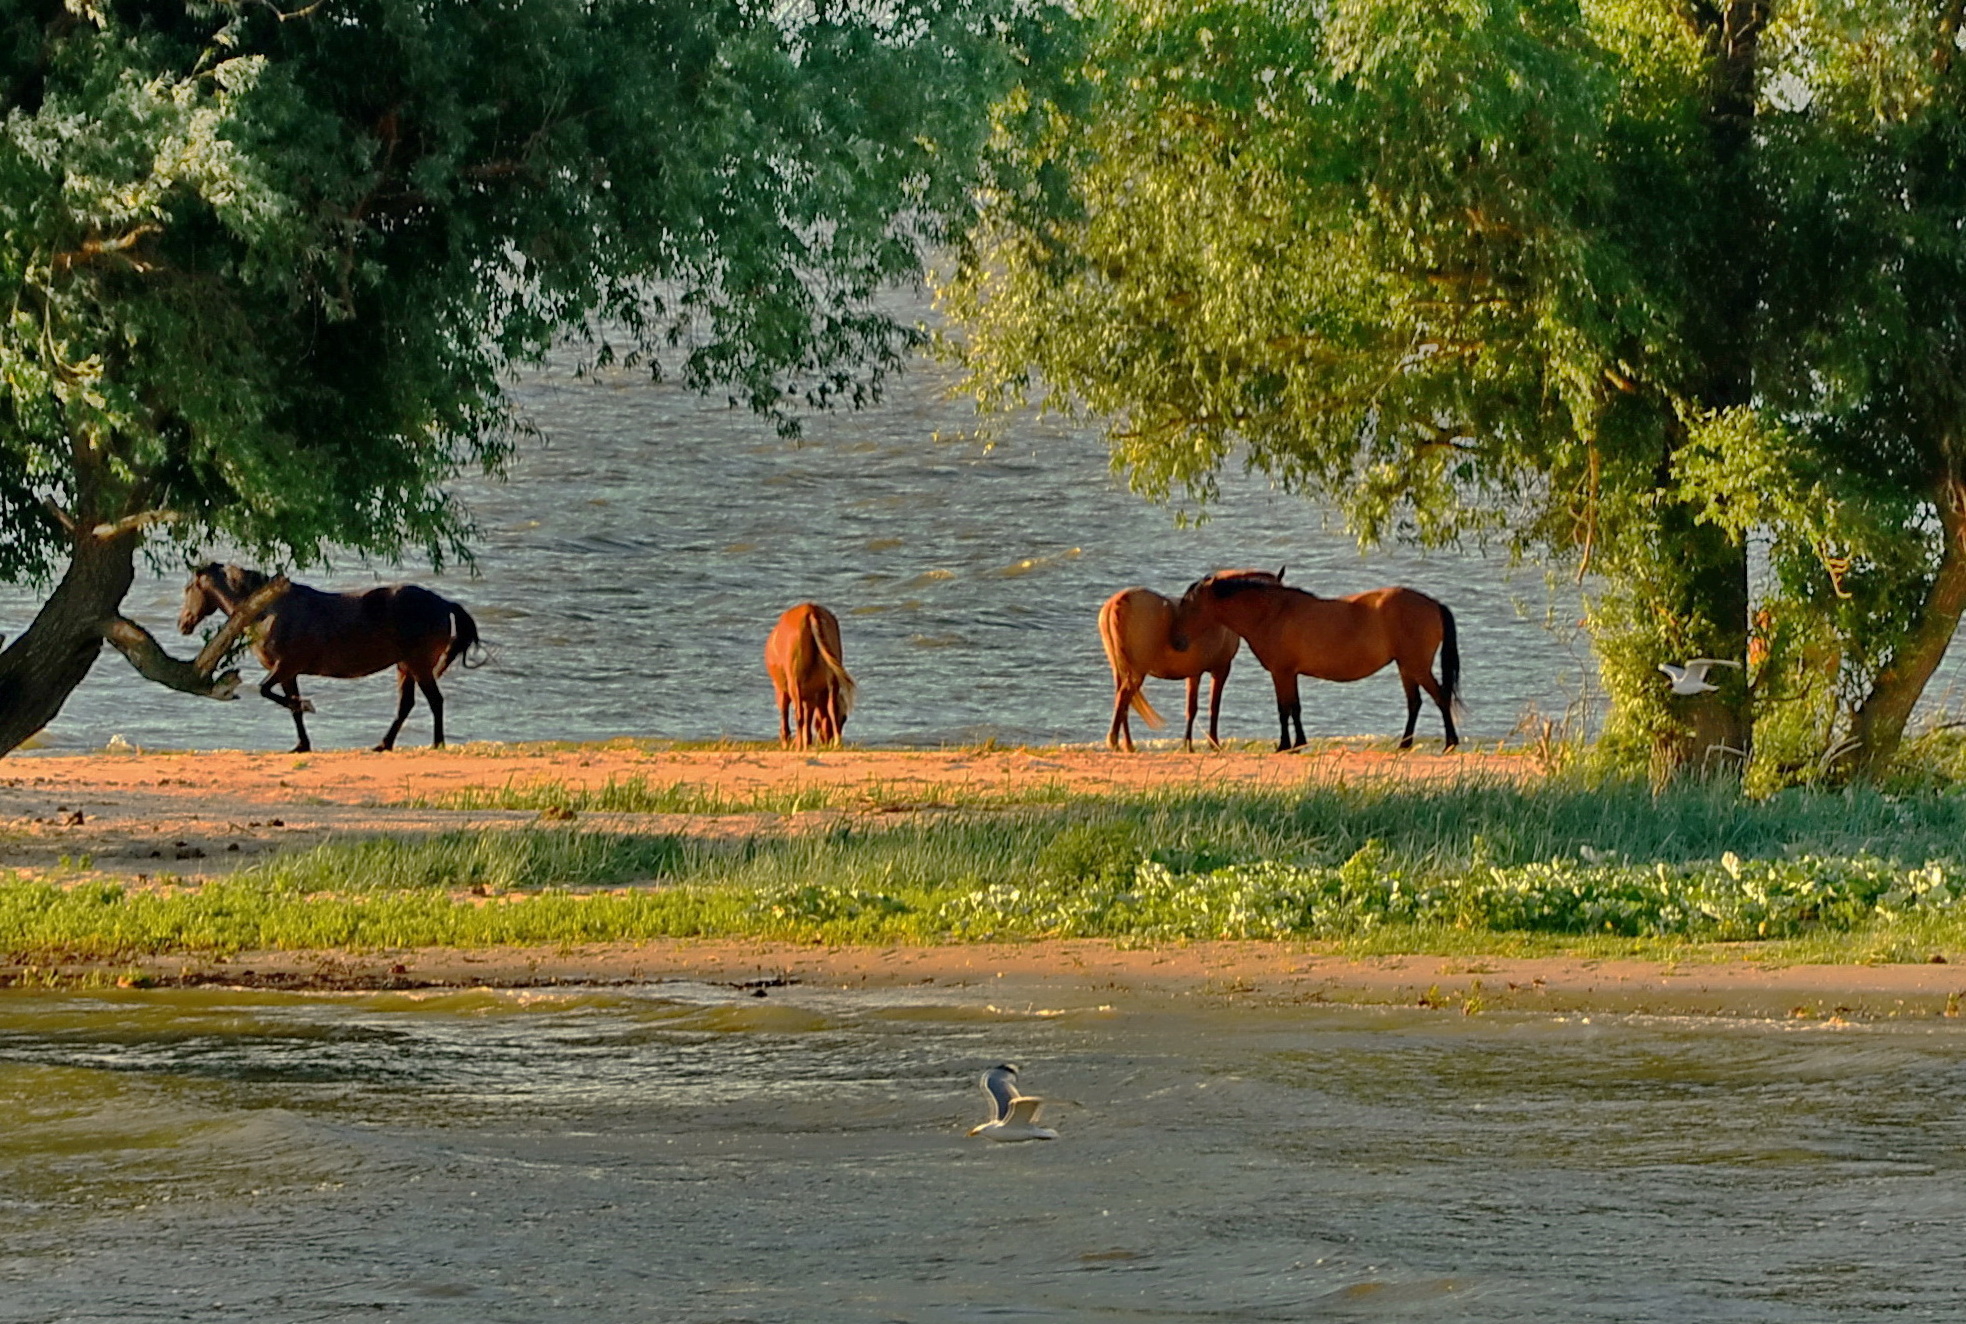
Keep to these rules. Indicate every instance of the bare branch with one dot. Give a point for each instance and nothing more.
(144, 653)
(241, 620)
(119, 247)
(130, 523)
(148, 656)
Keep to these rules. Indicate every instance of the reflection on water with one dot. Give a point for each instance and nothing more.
(693, 1153)
(632, 567)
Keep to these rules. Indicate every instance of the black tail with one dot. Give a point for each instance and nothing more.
(1450, 658)
(464, 635)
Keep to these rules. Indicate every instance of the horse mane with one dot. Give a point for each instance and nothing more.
(236, 578)
(1229, 583)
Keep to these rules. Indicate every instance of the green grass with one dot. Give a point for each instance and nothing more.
(1469, 868)
(637, 795)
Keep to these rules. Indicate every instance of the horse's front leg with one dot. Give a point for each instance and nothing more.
(291, 701)
(405, 700)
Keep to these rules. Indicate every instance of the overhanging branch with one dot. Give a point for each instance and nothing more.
(141, 649)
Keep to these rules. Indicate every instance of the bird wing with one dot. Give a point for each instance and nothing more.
(1673, 673)
(1702, 663)
(1024, 1109)
(1000, 1083)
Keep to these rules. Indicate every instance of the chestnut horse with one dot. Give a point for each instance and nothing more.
(1136, 625)
(310, 633)
(814, 692)
(1295, 633)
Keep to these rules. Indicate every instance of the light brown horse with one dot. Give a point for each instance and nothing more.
(310, 633)
(814, 692)
(1295, 633)
(1136, 625)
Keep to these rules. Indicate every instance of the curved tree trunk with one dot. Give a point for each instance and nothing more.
(1878, 727)
(39, 670)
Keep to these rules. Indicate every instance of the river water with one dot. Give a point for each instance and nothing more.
(691, 1153)
(632, 565)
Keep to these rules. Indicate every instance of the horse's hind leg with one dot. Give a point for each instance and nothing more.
(1412, 708)
(1432, 687)
(1194, 702)
(1120, 734)
(435, 698)
(1215, 682)
(405, 700)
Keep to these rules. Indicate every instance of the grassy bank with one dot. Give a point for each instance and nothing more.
(1464, 868)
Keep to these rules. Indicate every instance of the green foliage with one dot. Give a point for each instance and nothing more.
(1553, 272)
(269, 270)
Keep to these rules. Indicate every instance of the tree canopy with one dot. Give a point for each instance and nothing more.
(1624, 283)
(271, 264)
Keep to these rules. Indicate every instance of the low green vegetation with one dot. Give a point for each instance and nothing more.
(637, 795)
(1472, 867)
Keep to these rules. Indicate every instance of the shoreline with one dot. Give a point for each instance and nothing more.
(1086, 972)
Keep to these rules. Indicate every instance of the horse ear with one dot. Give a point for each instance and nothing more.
(1280, 570)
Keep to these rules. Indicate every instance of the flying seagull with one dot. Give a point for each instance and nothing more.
(1013, 1116)
(1692, 678)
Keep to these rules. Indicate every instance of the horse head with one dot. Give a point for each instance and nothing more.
(200, 597)
(1195, 612)
(216, 587)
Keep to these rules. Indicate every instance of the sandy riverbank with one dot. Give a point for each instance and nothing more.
(1083, 972)
(200, 813)
(197, 815)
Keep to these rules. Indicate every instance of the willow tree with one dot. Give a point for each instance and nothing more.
(1625, 283)
(269, 266)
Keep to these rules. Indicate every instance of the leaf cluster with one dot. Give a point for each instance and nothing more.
(267, 270)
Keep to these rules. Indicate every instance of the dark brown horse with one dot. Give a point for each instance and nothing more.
(1294, 633)
(811, 683)
(310, 633)
(1136, 625)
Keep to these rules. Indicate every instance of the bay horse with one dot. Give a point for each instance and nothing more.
(307, 632)
(1297, 633)
(1136, 626)
(809, 680)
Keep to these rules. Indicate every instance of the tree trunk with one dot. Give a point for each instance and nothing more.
(39, 670)
(1878, 727)
(1705, 575)
(1710, 583)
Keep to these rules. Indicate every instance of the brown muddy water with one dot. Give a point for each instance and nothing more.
(692, 1153)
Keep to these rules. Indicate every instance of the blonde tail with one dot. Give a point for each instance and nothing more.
(1109, 636)
(837, 669)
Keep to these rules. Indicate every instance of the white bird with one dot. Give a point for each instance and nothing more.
(1013, 1116)
(1692, 678)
